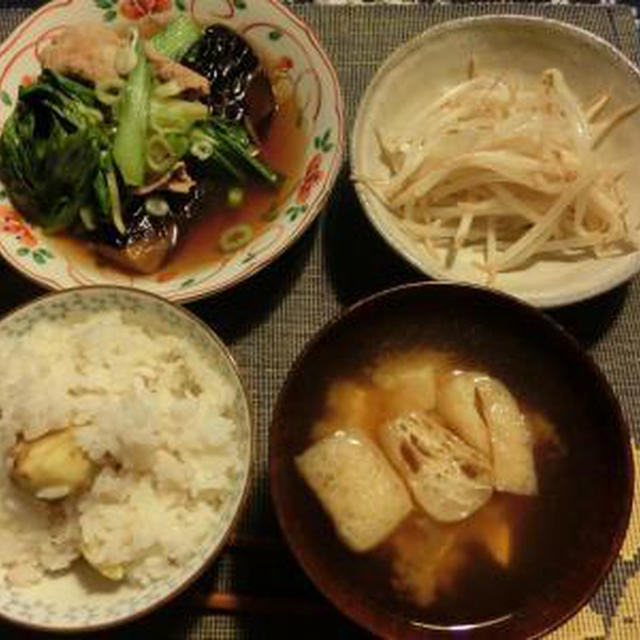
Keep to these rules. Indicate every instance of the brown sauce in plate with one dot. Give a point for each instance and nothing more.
(283, 148)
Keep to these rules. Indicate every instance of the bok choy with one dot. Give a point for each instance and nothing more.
(50, 151)
(177, 38)
(226, 147)
(129, 145)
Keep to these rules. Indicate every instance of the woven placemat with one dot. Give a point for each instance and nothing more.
(340, 260)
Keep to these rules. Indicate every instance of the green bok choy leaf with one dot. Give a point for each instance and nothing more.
(50, 151)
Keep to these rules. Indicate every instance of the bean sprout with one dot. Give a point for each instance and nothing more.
(509, 169)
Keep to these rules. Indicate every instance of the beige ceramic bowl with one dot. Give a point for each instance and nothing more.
(425, 67)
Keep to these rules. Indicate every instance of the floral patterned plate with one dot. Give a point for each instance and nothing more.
(282, 40)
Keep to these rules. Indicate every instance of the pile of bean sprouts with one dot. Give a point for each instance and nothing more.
(509, 168)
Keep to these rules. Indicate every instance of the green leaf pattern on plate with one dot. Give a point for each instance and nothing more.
(294, 211)
(39, 256)
(322, 142)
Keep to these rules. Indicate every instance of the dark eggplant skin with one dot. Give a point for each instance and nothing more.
(149, 240)
(239, 85)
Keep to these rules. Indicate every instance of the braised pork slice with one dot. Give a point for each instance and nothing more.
(167, 69)
(73, 52)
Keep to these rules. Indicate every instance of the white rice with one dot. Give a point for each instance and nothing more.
(152, 403)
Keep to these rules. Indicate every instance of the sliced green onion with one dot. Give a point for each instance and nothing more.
(179, 143)
(177, 37)
(127, 57)
(87, 218)
(160, 155)
(155, 206)
(173, 114)
(109, 91)
(235, 197)
(202, 149)
(198, 134)
(235, 237)
(163, 128)
(114, 197)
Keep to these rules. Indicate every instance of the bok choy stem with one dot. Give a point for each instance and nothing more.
(114, 195)
(177, 37)
(129, 145)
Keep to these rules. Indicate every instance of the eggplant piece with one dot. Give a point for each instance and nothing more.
(150, 239)
(146, 248)
(239, 85)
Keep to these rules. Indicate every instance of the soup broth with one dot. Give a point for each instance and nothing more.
(479, 568)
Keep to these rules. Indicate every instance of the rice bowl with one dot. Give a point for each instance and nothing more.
(151, 404)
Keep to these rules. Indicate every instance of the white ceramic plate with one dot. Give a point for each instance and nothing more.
(78, 599)
(425, 67)
(278, 36)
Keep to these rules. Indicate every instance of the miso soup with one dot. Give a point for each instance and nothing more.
(438, 562)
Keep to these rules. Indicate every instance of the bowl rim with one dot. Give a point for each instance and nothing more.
(590, 367)
(313, 212)
(250, 471)
(409, 47)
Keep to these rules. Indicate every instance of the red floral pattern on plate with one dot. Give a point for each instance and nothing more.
(285, 63)
(12, 223)
(313, 175)
(305, 70)
(136, 9)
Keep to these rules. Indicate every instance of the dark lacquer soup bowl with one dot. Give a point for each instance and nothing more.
(505, 539)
